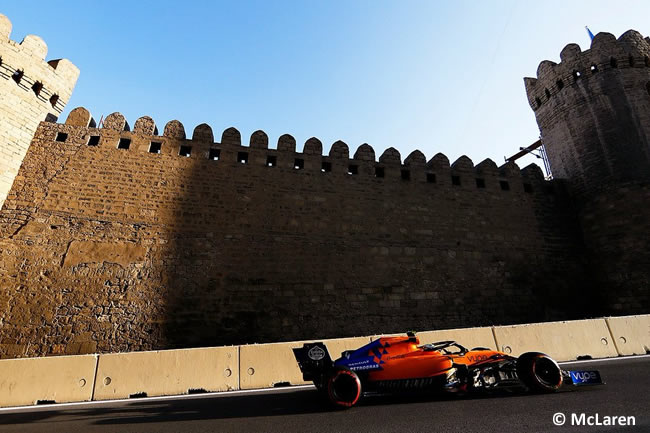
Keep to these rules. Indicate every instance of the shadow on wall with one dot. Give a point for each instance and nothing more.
(214, 252)
(272, 245)
(166, 242)
(241, 266)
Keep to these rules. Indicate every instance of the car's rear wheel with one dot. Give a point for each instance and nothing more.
(344, 388)
(539, 372)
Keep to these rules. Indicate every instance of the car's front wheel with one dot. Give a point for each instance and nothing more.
(539, 372)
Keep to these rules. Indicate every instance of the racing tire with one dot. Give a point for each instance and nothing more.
(539, 372)
(343, 388)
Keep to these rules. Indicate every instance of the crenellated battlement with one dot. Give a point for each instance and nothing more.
(606, 54)
(50, 81)
(592, 110)
(32, 89)
(80, 128)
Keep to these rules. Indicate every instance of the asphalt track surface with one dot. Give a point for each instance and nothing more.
(626, 393)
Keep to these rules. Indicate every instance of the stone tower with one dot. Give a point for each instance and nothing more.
(31, 90)
(593, 110)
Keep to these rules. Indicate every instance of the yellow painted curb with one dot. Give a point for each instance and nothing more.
(56, 378)
(166, 372)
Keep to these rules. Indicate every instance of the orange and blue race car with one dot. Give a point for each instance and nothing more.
(391, 365)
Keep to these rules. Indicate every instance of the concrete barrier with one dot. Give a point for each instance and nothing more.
(172, 372)
(268, 365)
(631, 334)
(167, 372)
(57, 379)
(468, 337)
(563, 341)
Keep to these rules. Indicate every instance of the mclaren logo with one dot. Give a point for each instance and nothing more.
(316, 353)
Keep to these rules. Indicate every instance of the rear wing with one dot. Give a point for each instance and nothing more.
(313, 360)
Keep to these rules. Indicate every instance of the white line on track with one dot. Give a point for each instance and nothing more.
(229, 393)
(622, 358)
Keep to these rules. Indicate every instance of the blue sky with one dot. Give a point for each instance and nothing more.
(429, 75)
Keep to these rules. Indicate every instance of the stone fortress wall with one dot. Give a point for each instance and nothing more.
(123, 249)
(593, 109)
(31, 90)
(122, 239)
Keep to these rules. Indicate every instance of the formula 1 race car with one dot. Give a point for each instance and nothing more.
(391, 365)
